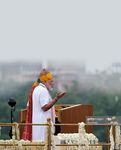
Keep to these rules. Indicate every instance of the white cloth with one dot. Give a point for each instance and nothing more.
(40, 98)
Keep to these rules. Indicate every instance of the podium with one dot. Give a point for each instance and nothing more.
(66, 114)
(22, 119)
(73, 115)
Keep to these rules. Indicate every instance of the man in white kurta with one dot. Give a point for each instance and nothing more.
(41, 97)
(43, 105)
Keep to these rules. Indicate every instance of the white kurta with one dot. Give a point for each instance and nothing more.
(40, 98)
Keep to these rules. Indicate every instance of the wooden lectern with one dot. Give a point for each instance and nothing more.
(22, 119)
(73, 115)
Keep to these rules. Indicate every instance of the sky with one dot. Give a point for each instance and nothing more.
(77, 31)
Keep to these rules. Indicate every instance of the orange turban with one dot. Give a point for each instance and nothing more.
(45, 75)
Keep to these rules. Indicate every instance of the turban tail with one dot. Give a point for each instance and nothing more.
(27, 133)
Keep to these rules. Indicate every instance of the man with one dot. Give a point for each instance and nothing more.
(42, 105)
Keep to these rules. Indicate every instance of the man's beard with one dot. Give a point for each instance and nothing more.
(51, 89)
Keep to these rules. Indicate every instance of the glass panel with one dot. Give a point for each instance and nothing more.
(103, 120)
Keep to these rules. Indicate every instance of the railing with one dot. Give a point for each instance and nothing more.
(48, 145)
(15, 143)
(102, 144)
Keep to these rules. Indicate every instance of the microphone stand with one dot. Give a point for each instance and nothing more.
(12, 118)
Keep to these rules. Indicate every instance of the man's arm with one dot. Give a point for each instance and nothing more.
(53, 101)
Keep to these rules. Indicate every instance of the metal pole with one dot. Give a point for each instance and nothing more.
(10, 132)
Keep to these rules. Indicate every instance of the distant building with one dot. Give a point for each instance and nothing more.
(65, 74)
(20, 71)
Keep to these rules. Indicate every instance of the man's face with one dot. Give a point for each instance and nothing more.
(49, 84)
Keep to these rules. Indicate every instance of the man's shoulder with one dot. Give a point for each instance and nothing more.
(41, 88)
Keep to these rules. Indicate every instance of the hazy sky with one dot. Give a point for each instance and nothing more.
(69, 30)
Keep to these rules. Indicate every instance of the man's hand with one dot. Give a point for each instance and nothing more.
(59, 95)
